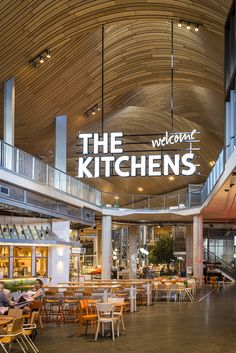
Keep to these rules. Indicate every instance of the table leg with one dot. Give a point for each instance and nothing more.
(105, 295)
(149, 293)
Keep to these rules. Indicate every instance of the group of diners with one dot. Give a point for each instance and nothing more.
(20, 300)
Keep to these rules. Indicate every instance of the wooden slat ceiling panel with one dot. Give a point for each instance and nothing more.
(137, 72)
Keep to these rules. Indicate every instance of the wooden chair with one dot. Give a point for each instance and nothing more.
(70, 307)
(87, 313)
(15, 313)
(14, 333)
(28, 330)
(106, 315)
(36, 306)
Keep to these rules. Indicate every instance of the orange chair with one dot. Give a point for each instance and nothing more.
(87, 313)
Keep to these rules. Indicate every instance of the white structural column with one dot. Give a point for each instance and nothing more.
(106, 246)
(132, 252)
(9, 121)
(60, 151)
(198, 247)
(59, 255)
(9, 111)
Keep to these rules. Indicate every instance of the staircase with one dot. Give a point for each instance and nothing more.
(221, 266)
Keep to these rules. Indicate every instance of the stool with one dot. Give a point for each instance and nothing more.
(53, 310)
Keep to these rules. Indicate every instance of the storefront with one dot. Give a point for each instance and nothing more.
(35, 250)
(23, 261)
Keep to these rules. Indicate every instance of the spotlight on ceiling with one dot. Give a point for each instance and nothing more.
(92, 111)
(188, 25)
(40, 58)
(116, 197)
(140, 188)
(212, 163)
(196, 27)
(171, 178)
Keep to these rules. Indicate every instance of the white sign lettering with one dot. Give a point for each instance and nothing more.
(102, 165)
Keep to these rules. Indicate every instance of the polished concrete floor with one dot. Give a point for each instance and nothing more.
(208, 326)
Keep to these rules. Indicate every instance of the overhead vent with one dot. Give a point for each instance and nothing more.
(4, 190)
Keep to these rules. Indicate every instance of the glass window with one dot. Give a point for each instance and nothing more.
(41, 261)
(4, 261)
(22, 261)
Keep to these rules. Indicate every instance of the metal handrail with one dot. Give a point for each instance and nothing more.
(224, 264)
(30, 167)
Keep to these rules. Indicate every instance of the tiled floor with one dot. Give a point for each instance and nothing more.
(205, 327)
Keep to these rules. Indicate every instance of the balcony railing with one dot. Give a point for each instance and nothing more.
(214, 176)
(170, 201)
(32, 168)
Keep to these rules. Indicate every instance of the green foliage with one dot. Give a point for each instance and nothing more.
(162, 252)
(14, 286)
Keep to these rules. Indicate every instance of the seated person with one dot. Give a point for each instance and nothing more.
(3, 298)
(36, 293)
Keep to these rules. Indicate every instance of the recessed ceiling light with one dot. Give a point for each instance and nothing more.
(188, 25)
(196, 28)
(116, 197)
(140, 188)
(212, 163)
(171, 178)
(41, 60)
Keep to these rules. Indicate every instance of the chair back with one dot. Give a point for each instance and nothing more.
(15, 313)
(51, 292)
(36, 305)
(17, 325)
(69, 294)
(105, 310)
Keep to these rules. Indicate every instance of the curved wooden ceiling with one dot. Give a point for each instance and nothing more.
(137, 73)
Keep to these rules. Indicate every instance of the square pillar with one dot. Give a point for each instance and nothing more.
(106, 247)
(60, 151)
(189, 248)
(132, 252)
(9, 111)
(9, 124)
(198, 248)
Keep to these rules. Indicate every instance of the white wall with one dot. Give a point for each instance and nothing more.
(59, 255)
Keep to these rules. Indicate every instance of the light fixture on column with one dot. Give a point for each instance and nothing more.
(40, 58)
(180, 23)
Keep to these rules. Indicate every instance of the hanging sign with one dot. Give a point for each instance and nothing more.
(106, 158)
